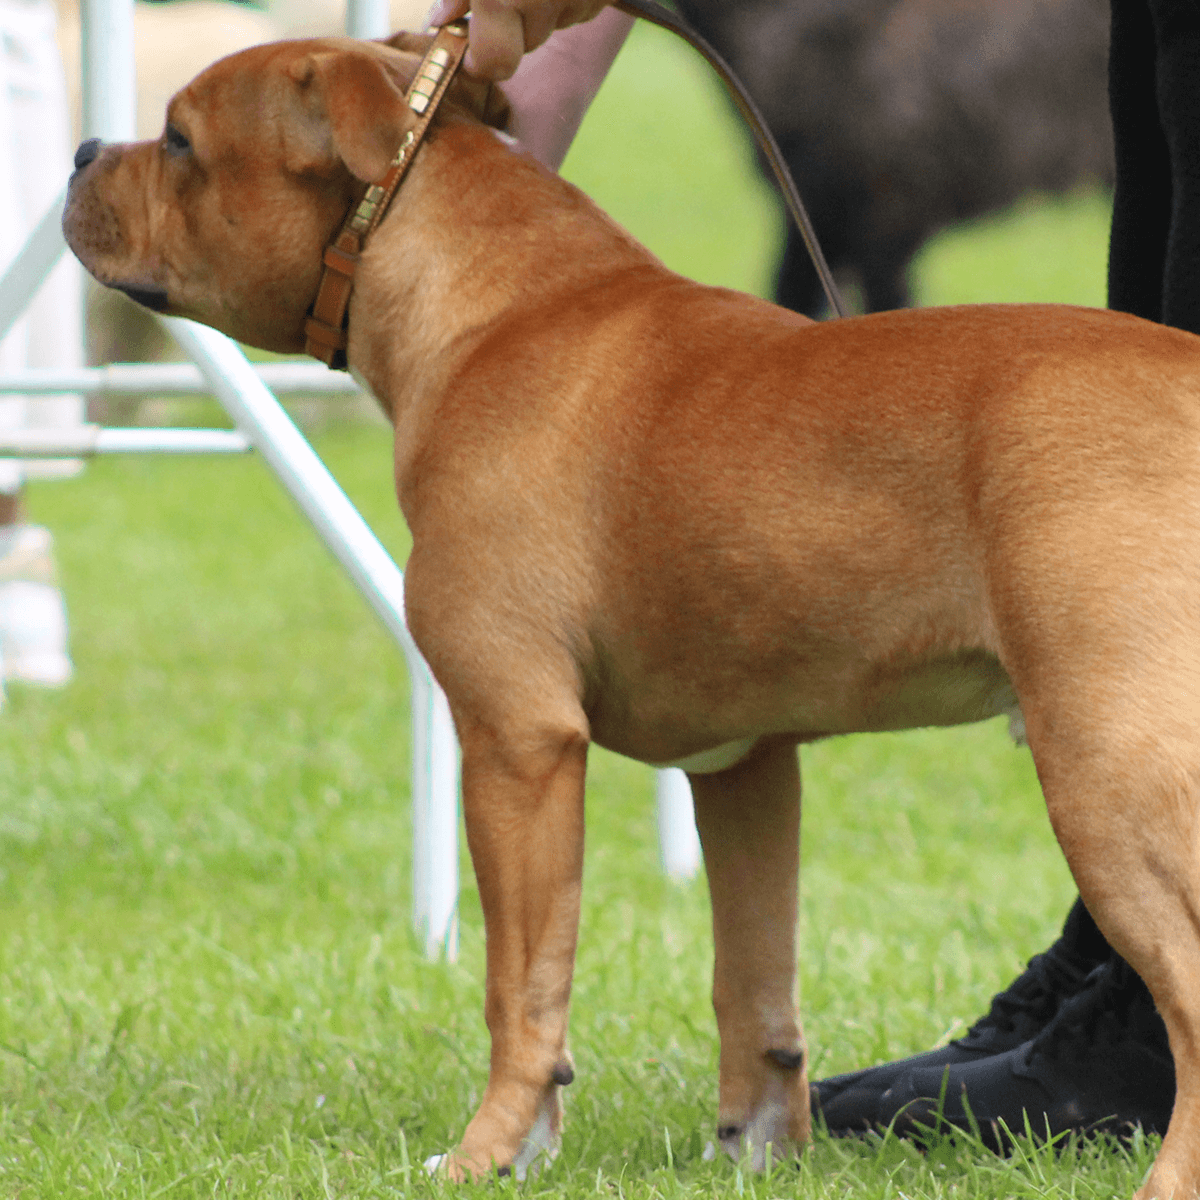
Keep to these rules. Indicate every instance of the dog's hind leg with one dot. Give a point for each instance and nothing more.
(1126, 810)
(749, 822)
(1089, 537)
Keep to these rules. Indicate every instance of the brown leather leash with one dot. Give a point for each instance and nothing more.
(325, 328)
(656, 14)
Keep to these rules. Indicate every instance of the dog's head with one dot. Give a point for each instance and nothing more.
(224, 217)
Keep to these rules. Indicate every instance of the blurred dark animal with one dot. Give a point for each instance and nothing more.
(901, 117)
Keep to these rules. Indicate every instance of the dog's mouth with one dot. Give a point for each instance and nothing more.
(154, 299)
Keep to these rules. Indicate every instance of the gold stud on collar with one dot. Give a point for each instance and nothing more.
(427, 81)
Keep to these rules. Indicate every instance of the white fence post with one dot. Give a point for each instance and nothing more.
(109, 72)
(678, 841)
(33, 263)
(435, 757)
(368, 18)
(434, 818)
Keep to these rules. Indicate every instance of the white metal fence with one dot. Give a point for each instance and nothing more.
(247, 393)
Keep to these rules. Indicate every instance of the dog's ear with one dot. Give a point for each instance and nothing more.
(356, 113)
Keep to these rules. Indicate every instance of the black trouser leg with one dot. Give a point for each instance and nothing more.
(1142, 199)
(1177, 32)
(1154, 98)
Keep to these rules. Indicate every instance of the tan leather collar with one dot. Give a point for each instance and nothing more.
(325, 328)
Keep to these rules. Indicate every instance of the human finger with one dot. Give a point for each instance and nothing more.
(503, 30)
(496, 40)
(445, 11)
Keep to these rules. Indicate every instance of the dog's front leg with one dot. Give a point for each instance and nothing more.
(749, 823)
(523, 804)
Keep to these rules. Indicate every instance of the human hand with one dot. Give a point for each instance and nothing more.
(503, 30)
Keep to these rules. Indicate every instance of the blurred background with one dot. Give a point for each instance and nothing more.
(208, 979)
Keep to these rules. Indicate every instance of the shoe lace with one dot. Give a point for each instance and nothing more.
(1112, 1007)
(1048, 979)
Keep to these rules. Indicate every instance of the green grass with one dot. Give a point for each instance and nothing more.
(208, 981)
(1046, 249)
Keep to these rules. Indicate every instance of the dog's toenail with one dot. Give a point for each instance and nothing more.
(563, 1074)
(726, 1133)
(790, 1060)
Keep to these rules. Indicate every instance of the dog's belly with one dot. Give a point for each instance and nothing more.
(956, 691)
(718, 758)
(718, 735)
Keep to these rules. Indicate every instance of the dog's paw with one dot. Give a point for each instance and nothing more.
(539, 1147)
(542, 1145)
(749, 1147)
(773, 1130)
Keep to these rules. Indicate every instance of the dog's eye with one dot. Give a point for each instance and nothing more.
(175, 141)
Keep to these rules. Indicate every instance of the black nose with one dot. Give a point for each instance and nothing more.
(88, 152)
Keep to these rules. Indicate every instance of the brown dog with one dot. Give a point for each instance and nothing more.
(698, 529)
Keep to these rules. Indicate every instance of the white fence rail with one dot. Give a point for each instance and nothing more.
(176, 379)
(83, 441)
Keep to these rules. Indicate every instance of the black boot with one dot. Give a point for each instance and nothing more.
(1102, 1065)
(850, 1103)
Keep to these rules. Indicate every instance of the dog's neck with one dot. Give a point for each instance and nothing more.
(453, 288)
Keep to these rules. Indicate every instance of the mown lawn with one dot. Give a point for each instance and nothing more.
(208, 983)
